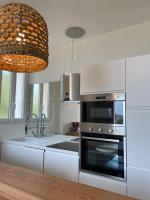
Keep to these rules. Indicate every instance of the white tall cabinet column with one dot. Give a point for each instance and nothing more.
(138, 126)
(102, 78)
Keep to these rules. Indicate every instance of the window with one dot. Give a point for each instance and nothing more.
(5, 94)
(36, 99)
(19, 96)
(39, 99)
(45, 102)
(12, 95)
(18, 100)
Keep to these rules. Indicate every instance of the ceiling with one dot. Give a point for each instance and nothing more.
(95, 16)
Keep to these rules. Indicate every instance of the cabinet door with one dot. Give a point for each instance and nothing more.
(105, 77)
(138, 138)
(22, 156)
(138, 183)
(138, 81)
(61, 165)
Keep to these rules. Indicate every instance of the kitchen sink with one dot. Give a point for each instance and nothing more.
(29, 140)
(26, 139)
(70, 146)
(75, 140)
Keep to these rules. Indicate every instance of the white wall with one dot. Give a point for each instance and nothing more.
(70, 112)
(53, 124)
(131, 41)
(10, 130)
(127, 42)
(123, 43)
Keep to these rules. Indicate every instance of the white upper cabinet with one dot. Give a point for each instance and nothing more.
(138, 81)
(105, 77)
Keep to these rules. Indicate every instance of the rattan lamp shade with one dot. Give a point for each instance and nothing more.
(23, 39)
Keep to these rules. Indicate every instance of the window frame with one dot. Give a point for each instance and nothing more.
(49, 100)
(4, 120)
(26, 80)
(40, 104)
(30, 101)
(12, 93)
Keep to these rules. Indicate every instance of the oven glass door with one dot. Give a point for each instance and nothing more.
(108, 112)
(103, 155)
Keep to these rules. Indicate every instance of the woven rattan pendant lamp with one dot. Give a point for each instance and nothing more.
(23, 39)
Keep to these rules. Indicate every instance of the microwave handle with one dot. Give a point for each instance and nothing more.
(100, 139)
(101, 98)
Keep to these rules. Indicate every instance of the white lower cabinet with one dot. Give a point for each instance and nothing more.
(61, 165)
(138, 181)
(138, 138)
(22, 156)
(138, 154)
(103, 183)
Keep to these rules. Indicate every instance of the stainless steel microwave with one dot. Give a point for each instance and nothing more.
(103, 110)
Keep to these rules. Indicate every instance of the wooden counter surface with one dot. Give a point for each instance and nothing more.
(21, 184)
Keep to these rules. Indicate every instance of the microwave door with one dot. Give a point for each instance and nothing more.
(97, 112)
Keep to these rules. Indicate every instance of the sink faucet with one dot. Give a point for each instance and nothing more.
(37, 125)
(36, 134)
(39, 129)
(42, 124)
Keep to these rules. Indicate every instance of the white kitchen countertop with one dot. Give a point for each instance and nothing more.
(41, 143)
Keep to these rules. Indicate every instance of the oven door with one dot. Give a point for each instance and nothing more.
(103, 112)
(104, 155)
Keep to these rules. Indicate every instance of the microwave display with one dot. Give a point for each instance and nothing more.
(109, 112)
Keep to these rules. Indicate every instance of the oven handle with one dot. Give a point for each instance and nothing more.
(100, 139)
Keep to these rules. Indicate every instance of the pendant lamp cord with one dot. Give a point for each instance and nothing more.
(75, 60)
(66, 52)
(78, 55)
(72, 58)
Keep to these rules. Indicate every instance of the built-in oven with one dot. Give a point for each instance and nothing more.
(103, 134)
(103, 155)
(103, 109)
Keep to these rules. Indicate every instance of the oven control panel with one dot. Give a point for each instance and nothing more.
(102, 129)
